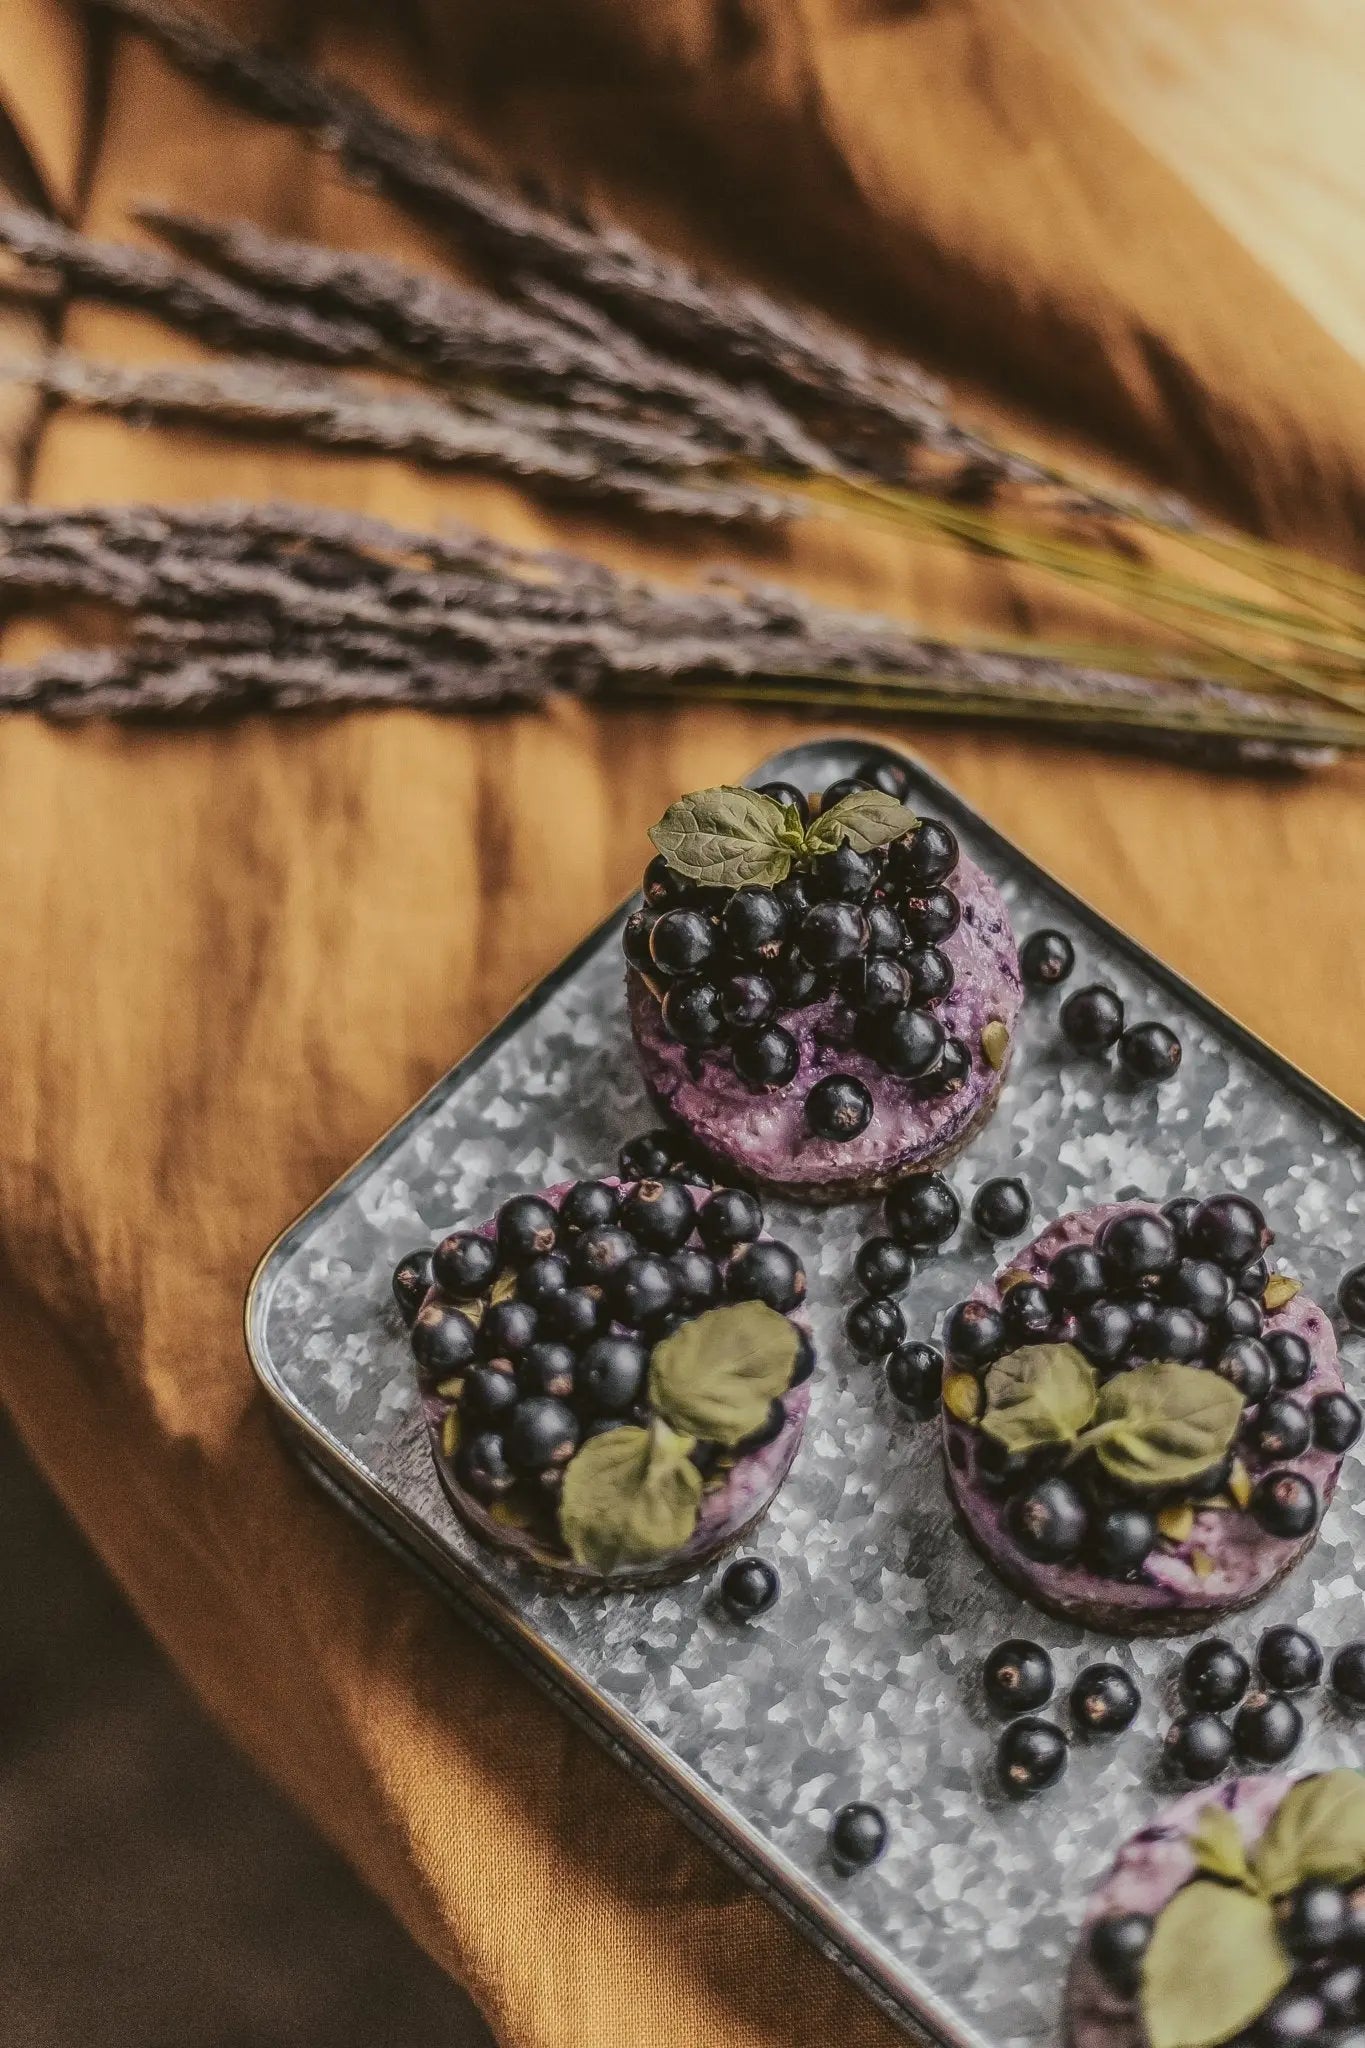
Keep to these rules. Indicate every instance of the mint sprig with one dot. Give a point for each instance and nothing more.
(1156, 1426)
(734, 838)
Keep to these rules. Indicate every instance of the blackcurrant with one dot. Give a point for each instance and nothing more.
(931, 975)
(767, 1058)
(1027, 1309)
(542, 1277)
(1150, 1052)
(1229, 1229)
(1200, 1745)
(1031, 1755)
(681, 942)
(1348, 1673)
(659, 1214)
(1104, 1700)
(786, 794)
(883, 1266)
(846, 785)
(922, 1212)
(1092, 1019)
(1076, 1276)
(482, 1468)
(1178, 1213)
(1241, 1318)
(647, 1157)
(925, 856)
(1351, 1297)
(663, 884)
(1266, 1728)
(747, 1000)
(857, 1836)
(508, 1329)
(412, 1278)
(636, 934)
(1336, 1422)
(541, 1432)
(876, 983)
(611, 1375)
(1117, 1946)
(1290, 1356)
(465, 1263)
(443, 1341)
(573, 1315)
(1285, 1503)
(1121, 1539)
(1247, 1364)
(914, 1374)
(698, 1279)
(1199, 1285)
(1017, 1676)
(844, 876)
(1288, 1659)
(1171, 1333)
(1213, 1676)
(588, 1205)
(952, 1068)
(908, 1043)
(885, 932)
(796, 981)
(931, 917)
(1138, 1250)
(1048, 1521)
(1312, 1919)
(1104, 1332)
(874, 1327)
(732, 1216)
(692, 1014)
(547, 1367)
(1046, 958)
(488, 1395)
(974, 1335)
(767, 1271)
(527, 1226)
(1253, 1279)
(755, 922)
(642, 1290)
(748, 1588)
(1280, 1428)
(838, 1108)
(1001, 1208)
(832, 934)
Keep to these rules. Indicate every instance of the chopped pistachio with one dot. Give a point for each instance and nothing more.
(1176, 1522)
(1239, 1483)
(1201, 1564)
(450, 1433)
(995, 1043)
(1279, 1289)
(962, 1396)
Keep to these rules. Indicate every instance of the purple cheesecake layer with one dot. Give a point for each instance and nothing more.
(1149, 1871)
(1226, 1562)
(763, 1133)
(727, 1512)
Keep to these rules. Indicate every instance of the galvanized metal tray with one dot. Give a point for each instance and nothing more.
(863, 1679)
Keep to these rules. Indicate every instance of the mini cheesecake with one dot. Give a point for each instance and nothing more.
(1268, 1951)
(836, 1028)
(1076, 1413)
(614, 1375)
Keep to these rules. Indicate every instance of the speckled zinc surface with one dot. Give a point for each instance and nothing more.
(863, 1680)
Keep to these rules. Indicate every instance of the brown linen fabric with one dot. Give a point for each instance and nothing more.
(229, 958)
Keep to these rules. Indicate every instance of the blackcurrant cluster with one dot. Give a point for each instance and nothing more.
(1215, 1679)
(1321, 1927)
(1018, 1680)
(921, 1213)
(541, 1330)
(858, 932)
(1185, 1285)
(1093, 1022)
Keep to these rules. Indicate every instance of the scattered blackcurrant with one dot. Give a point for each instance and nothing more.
(914, 1374)
(748, 1588)
(1046, 959)
(857, 1836)
(1001, 1208)
(1266, 1728)
(1092, 1019)
(1018, 1677)
(1213, 1676)
(1150, 1052)
(1288, 1659)
(1031, 1755)
(1199, 1745)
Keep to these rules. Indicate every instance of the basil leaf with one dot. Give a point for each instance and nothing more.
(1317, 1831)
(1217, 1847)
(716, 1377)
(726, 838)
(1159, 1425)
(1215, 1963)
(1044, 1394)
(864, 819)
(629, 1497)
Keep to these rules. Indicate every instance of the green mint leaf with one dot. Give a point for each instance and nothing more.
(864, 820)
(1218, 1849)
(1215, 1963)
(629, 1497)
(726, 838)
(1162, 1424)
(1043, 1394)
(716, 1377)
(1317, 1831)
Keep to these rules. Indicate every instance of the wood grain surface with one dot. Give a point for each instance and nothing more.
(230, 957)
